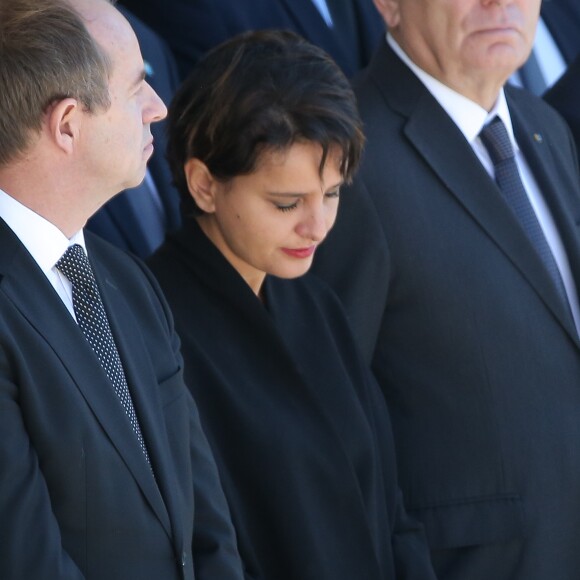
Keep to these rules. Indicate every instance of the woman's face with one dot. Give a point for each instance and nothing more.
(271, 221)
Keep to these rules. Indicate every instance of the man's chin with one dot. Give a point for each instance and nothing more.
(137, 181)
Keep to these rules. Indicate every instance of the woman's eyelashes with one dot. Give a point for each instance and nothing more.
(287, 206)
(335, 193)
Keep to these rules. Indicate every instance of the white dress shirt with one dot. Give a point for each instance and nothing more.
(43, 240)
(470, 118)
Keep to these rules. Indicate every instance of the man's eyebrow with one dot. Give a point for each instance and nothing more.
(139, 78)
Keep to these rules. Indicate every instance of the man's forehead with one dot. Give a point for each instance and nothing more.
(115, 36)
(91, 11)
(104, 22)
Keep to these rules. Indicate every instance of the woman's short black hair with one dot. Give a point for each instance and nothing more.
(260, 91)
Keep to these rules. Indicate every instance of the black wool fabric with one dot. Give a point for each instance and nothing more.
(299, 428)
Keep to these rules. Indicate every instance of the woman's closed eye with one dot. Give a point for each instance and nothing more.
(286, 206)
(293, 204)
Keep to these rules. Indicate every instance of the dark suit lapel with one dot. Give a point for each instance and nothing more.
(558, 188)
(167, 194)
(563, 21)
(142, 384)
(452, 159)
(307, 19)
(310, 24)
(34, 297)
(371, 28)
(162, 177)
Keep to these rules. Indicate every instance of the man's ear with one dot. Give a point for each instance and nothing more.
(201, 184)
(64, 123)
(389, 10)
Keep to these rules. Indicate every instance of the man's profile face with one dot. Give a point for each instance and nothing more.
(466, 43)
(118, 141)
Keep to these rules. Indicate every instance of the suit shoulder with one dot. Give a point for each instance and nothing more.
(124, 268)
(366, 90)
(108, 254)
(534, 108)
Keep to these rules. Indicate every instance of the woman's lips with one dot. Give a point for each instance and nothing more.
(300, 252)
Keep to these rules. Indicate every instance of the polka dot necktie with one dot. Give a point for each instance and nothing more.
(497, 142)
(92, 319)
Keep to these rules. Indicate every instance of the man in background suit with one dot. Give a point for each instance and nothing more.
(556, 45)
(106, 472)
(348, 30)
(562, 18)
(137, 219)
(564, 96)
(467, 308)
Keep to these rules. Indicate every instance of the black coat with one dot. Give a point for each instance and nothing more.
(299, 429)
(471, 344)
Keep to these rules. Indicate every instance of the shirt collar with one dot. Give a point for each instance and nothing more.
(43, 240)
(469, 116)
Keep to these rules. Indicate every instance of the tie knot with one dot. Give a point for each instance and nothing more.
(497, 141)
(75, 265)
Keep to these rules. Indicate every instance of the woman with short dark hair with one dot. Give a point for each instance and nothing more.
(261, 137)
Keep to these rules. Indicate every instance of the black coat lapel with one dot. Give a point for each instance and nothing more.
(201, 257)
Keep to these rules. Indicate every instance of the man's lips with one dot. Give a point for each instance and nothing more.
(497, 29)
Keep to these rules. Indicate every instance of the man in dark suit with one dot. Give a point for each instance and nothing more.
(137, 219)
(348, 30)
(562, 18)
(105, 471)
(564, 96)
(457, 255)
(556, 44)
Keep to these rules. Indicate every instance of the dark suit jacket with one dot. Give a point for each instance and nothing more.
(564, 96)
(476, 356)
(120, 221)
(562, 17)
(296, 421)
(192, 27)
(77, 498)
